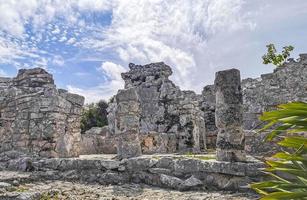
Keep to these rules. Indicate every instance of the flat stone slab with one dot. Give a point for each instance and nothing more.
(9, 176)
(181, 172)
(179, 163)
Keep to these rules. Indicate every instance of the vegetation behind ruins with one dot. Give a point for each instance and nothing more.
(94, 115)
(276, 59)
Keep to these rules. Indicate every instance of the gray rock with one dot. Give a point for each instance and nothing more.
(192, 182)
(4, 185)
(127, 124)
(167, 119)
(110, 164)
(113, 178)
(38, 118)
(171, 181)
(159, 171)
(229, 116)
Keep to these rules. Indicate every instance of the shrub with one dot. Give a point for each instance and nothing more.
(276, 59)
(94, 115)
(288, 168)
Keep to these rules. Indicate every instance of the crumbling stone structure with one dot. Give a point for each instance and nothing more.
(37, 117)
(97, 140)
(287, 83)
(127, 123)
(208, 107)
(170, 120)
(229, 116)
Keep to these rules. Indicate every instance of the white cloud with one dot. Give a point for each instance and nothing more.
(176, 32)
(105, 90)
(58, 60)
(94, 5)
(56, 30)
(3, 73)
(62, 39)
(71, 41)
(112, 70)
(16, 16)
(196, 38)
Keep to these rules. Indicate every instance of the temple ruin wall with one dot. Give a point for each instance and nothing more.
(37, 117)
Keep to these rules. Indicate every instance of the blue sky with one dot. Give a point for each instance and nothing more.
(86, 44)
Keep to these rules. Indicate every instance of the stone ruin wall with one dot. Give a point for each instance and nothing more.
(37, 117)
(139, 103)
(287, 83)
(170, 120)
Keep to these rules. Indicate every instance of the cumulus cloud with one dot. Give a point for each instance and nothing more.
(25, 24)
(176, 32)
(196, 38)
(105, 90)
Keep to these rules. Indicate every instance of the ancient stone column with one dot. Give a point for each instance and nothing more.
(127, 123)
(229, 116)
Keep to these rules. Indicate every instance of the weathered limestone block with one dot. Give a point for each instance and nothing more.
(97, 140)
(168, 171)
(165, 112)
(229, 116)
(127, 123)
(128, 145)
(158, 142)
(36, 117)
(208, 107)
(287, 83)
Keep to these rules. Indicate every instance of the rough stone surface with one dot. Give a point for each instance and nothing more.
(255, 145)
(169, 171)
(37, 117)
(127, 125)
(229, 116)
(208, 107)
(77, 191)
(97, 140)
(287, 83)
(170, 120)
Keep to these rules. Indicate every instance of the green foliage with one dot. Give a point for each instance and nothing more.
(289, 118)
(276, 59)
(94, 115)
(288, 168)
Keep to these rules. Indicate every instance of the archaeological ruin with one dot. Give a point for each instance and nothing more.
(175, 121)
(38, 118)
(157, 134)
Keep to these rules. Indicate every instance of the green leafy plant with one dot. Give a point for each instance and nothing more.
(94, 115)
(288, 168)
(276, 59)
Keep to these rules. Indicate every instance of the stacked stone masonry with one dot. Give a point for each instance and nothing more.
(37, 117)
(287, 83)
(170, 120)
(168, 171)
(229, 116)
